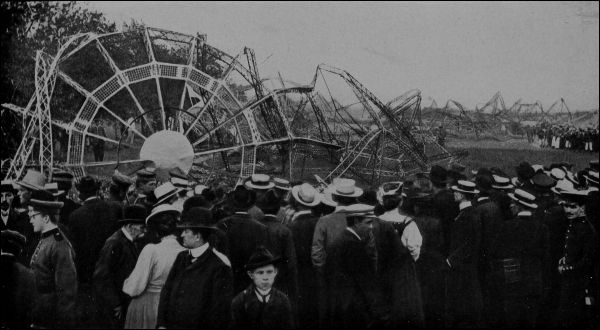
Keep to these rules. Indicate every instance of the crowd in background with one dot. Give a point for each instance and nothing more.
(446, 248)
(564, 137)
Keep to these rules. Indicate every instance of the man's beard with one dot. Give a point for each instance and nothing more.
(5, 206)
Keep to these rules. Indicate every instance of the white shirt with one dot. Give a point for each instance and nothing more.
(464, 205)
(353, 232)
(411, 236)
(197, 252)
(266, 294)
(127, 234)
(5, 219)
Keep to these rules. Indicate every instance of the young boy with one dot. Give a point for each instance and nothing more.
(260, 306)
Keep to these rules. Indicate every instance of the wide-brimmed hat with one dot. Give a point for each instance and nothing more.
(282, 184)
(387, 189)
(537, 167)
(162, 208)
(574, 195)
(438, 175)
(62, 176)
(501, 182)
(45, 202)
(558, 173)
(134, 214)
(122, 180)
(345, 187)
(524, 198)
(326, 197)
(87, 185)
(259, 181)
(198, 189)
(242, 198)
(466, 187)
(261, 257)
(197, 218)
(33, 180)
(164, 192)
(306, 195)
(9, 186)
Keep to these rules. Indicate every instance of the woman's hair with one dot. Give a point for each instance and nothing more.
(163, 224)
(390, 202)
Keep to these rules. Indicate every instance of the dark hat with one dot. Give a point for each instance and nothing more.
(467, 187)
(122, 180)
(594, 165)
(523, 198)
(268, 200)
(543, 181)
(455, 176)
(62, 176)
(146, 174)
(8, 186)
(438, 175)
(87, 185)
(484, 182)
(457, 167)
(52, 188)
(525, 171)
(261, 257)
(577, 196)
(12, 241)
(197, 217)
(242, 198)
(498, 171)
(45, 202)
(134, 214)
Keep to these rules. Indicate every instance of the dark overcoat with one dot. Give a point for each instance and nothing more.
(463, 291)
(18, 288)
(445, 209)
(19, 221)
(196, 295)
(281, 243)
(243, 235)
(117, 260)
(247, 312)
(55, 281)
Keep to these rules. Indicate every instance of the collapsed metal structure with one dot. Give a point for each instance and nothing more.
(125, 91)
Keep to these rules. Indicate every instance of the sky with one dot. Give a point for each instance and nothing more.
(449, 50)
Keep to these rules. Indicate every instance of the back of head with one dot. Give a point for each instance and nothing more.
(163, 224)
(195, 201)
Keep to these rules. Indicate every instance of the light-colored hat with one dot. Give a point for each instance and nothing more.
(537, 167)
(387, 189)
(306, 195)
(33, 180)
(501, 182)
(282, 184)
(592, 176)
(179, 182)
(260, 181)
(326, 198)
(165, 191)
(466, 187)
(346, 187)
(199, 189)
(162, 208)
(562, 186)
(558, 173)
(523, 198)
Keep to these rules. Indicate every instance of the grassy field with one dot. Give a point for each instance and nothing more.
(507, 155)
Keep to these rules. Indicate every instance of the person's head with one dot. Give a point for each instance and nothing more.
(8, 195)
(391, 202)
(305, 196)
(522, 201)
(197, 227)
(43, 212)
(573, 203)
(361, 224)
(464, 191)
(33, 181)
(438, 176)
(87, 187)
(145, 181)
(195, 201)
(166, 193)
(64, 180)
(268, 202)
(259, 183)
(344, 191)
(262, 268)
(116, 192)
(134, 220)
(242, 199)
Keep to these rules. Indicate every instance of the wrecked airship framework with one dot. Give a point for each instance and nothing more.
(122, 99)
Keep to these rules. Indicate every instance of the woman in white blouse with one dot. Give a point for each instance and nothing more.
(153, 266)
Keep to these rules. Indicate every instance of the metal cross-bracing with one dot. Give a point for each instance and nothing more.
(144, 94)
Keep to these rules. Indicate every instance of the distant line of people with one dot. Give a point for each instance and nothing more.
(564, 137)
(445, 248)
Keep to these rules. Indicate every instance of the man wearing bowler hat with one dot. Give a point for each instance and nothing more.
(198, 291)
(117, 259)
(243, 234)
(260, 305)
(442, 201)
(53, 266)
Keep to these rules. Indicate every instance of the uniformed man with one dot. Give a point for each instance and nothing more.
(53, 266)
(32, 184)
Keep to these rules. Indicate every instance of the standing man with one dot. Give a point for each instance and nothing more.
(64, 180)
(259, 184)
(117, 260)
(442, 201)
(9, 215)
(32, 184)
(53, 266)
(199, 289)
(145, 183)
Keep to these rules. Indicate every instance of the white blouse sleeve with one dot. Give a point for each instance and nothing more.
(412, 240)
(137, 281)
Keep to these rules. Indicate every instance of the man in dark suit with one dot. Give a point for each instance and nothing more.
(446, 209)
(198, 291)
(243, 234)
(117, 260)
(65, 181)
(91, 225)
(31, 186)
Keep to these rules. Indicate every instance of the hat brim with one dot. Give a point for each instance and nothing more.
(126, 221)
(249, 184)
(29, 186)
(474, 192)
(169, 195)
(507, 187)
(187, 225)
(529, 205)
(273, 261)
(152, 215)
(357, 193)
(315, 202)
(50, 205)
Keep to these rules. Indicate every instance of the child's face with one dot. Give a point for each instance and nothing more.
(263, 277)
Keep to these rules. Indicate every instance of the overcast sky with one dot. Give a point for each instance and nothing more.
(462, 51)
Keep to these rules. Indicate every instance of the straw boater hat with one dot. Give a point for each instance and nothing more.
(282, 184)
(388, 189)
(198, 189)
(592, 178)
(574, 195)
(134, 214)
(537, 167)
(197, 218)
(261, 257)
(345, 187)
(558, 173)
(259, 181)
(164, 192)
(87, 185)
(162, 208)
(466, 187)
(9, 186)
(523, 198)
(33, 180)
(501, 182)
(306, 195)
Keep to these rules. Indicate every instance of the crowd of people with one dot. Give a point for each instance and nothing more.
(564, 137)
(446, 248)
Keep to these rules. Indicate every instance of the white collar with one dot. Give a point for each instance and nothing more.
(482, 198)
(302, 212)
(126, 233)
(241, 212)
(464, 205)
(353, 232)
(90, 198)
(197, 252)
(265, 293)
(524, 214)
